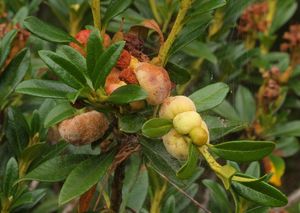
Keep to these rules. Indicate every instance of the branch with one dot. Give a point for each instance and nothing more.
(176, 29)
(95, 6)
(117, 185)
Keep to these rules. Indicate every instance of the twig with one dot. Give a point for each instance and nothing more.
(95, 6)
(199, 205)
(176, 29)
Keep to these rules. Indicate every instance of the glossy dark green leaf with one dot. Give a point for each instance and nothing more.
(16, 131)
(177, 74)
(45, 108)
(29, 199)
(243, 151)
(35, 124)
(115, 8)
(55, 169)
(189, 168)
(46, 31)
(191, 32)
(11, 175)
(127, 94)
(51, 152)
(209, 96)
(13, 74)
(91, 171)
(105, 63)
(33, 152)
(59, 113)
(5, 45)
(156, 127)
(75, 57)
(44, 88)
(131, 123)
(245, 104)
(65, 69)
(94, 50)
(261, 193)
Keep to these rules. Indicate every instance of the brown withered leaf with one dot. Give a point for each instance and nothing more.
(151, 24)
(85, 199)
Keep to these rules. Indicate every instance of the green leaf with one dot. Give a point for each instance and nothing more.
(66, 70)
(5, 45)
(284, 11)
(51, 152)
(226, 110)
(245, 104)
(218, 196)
(178, 75)
(55, 169)
(189, 168)
(190, 32)
(207, 5)
(44, 88)
(115, 8)
(131, 123)
(11, 175)
(169, 205)
(35, 124)
(160, 160)
(105, 63)
(84, 176)
(261, 193)
(156, 127)
(287, 146)
(209, 96)
(45, 108)
(288, 129)
(258, 209)
(94, 51)
(75, 57)
(243, 151)
(16, 131)
(59, 113)
(31, 153)
(253, 169)
(200, 50)
(46, 31)
(126, 94)
(138, 193)
(13, 74)
(219, 127)
(29, 199)
(135, 184)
